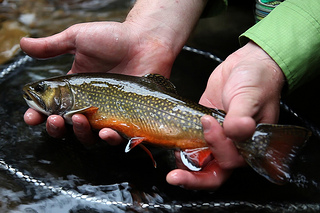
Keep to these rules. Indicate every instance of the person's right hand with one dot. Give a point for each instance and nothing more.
(247, 85)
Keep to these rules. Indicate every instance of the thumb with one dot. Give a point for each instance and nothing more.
(239, 123)
(51, 46)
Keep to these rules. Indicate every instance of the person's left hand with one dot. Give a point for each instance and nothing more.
(99, 47)
(247, 85)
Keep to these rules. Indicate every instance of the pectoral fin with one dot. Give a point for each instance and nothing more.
(194, 159)
(87, 111)
(133, 142)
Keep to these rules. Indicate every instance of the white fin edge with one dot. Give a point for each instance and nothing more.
(187, 163)
(127, 149)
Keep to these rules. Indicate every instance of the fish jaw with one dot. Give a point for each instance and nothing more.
(36, 107)
(49, 97)
(34, 101)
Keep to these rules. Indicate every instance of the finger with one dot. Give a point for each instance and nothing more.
(56, 126)
(82, 130)
(111, 136)
(222, 147)
(239, 123)
(239, 128)
(210, 178)
(32, 117)
(51, 46)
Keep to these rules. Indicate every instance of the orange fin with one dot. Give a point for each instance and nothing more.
(272, 149)
(195, 158)
(133, 142)
(150, 155)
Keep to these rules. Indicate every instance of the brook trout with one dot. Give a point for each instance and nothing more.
(147, 109)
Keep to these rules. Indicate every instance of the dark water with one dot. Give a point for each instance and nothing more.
(42, 174)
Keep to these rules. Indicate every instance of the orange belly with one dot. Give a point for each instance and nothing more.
(179, 140)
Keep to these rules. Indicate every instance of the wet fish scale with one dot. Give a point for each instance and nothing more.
(144, 113)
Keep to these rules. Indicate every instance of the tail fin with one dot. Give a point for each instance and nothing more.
(272, 149)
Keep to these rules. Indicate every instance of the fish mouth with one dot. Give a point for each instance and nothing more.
(34, 101)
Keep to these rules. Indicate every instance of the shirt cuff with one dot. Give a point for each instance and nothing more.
(290, 34)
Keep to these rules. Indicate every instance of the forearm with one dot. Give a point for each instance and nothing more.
(290, 35)
(166, 21)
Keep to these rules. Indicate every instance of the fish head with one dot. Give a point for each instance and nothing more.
(49, 96)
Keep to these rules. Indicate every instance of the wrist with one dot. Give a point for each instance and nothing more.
(165, 22)
(251, 49)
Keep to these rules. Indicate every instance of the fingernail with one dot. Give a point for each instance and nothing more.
(28, 115)
(53, 128)
(206, 124)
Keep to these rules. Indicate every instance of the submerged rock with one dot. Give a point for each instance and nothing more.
(10, 34)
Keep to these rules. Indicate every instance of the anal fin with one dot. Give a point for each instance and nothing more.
(194, 159)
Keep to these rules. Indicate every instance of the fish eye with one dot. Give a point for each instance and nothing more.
(40, 87)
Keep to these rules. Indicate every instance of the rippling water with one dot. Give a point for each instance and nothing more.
(42, 174)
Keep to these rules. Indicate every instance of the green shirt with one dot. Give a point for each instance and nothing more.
(290, 34)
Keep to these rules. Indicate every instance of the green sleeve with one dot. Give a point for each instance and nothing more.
(290, 34)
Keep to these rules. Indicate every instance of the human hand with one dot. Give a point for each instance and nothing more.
(247, 85)
(98, 47)
(147, 42)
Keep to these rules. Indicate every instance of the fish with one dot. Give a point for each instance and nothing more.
(148, 110)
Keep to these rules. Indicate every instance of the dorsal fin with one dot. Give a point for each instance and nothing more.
(164, 83)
